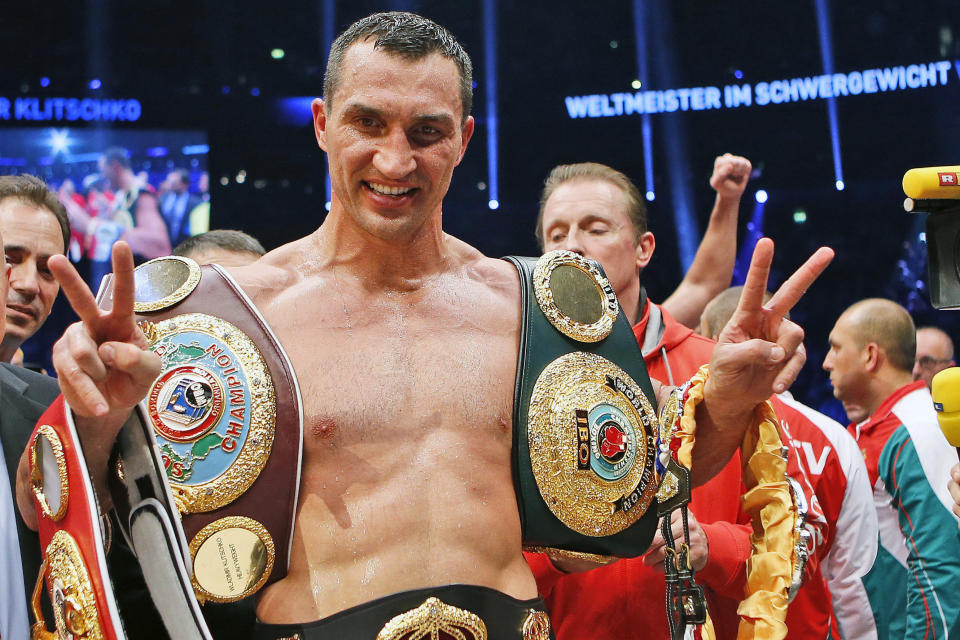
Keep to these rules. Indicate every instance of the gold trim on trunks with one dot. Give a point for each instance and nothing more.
(566, 554)
(536, 626)
(432, 618)
(232, 559)
(575, 296)
(40, 473)
(213, 355)
(71, 592)
(591, 436)
(163, 282)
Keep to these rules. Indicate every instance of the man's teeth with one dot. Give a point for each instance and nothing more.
(389, 191)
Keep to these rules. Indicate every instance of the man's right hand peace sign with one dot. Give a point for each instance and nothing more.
(102, 361)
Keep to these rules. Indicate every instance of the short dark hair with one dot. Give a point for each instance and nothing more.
(228, 239)
(636, 211)
(118, 154)
(183, 175)
(406, 35)
(34, 191)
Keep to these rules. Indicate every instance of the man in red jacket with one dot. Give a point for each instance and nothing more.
(596, 211)
(834, 598)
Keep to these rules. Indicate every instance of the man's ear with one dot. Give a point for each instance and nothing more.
(319, 109)
(871, 357)
(645, 248)
(466, 132)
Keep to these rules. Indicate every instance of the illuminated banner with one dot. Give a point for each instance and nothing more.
(914, 76)
(70, 109)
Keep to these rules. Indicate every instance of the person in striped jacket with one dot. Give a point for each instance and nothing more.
(913, 586)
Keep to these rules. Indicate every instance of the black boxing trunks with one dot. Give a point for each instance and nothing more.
(585, 426)
(454, 611)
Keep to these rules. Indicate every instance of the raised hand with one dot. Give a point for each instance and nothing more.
(730, 175)
(102, 362)
(760, 352)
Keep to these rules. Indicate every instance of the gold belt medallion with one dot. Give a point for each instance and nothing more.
(430, 619)
(536, 626)
(71, 592)
(48, 475)
(592, 450)
(163, 282)
(213, 409)
(232, 558)
(575, 296)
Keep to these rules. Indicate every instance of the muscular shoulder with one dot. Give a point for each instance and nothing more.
(493, 274)
(273, 273)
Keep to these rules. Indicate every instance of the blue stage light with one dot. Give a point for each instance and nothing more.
(493, 204)
(840, 185)
(738, 74)
(826, 55)
(95, 84)
(59, 141)
(651, 196)
(44, 82)
(761, 196)
(490, 84)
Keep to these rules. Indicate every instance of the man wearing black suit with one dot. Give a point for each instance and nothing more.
(24, 396)
(176, 205)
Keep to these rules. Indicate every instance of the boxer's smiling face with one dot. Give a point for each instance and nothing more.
(393, 134)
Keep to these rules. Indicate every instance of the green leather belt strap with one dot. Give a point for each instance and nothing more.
(584, 414)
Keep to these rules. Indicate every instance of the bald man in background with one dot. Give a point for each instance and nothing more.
(913, 584)
(934, 354)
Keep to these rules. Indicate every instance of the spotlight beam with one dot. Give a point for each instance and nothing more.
(490, 84)
(826, 55)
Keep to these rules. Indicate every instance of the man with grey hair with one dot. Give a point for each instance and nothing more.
(912, 586)
(934, 354)
(406, 494)
(35, 226)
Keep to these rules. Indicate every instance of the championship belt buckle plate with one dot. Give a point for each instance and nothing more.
(592, 448)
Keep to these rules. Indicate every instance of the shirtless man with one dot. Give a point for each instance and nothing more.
(405, 343)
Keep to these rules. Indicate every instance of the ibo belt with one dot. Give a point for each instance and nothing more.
(584, 421)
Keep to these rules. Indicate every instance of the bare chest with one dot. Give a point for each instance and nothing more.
(396, 371)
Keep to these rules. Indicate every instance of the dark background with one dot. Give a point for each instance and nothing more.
(206, 65)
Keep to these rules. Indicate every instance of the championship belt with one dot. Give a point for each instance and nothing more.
(585, 426)
(74, 569)
(225, 418)
(206, 471)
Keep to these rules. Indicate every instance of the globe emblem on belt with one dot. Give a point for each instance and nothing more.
(186, 403)
(613, 442)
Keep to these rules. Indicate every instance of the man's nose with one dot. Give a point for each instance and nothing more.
(573, 243)
(917, 370)
(25, 279)
(394, 158)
